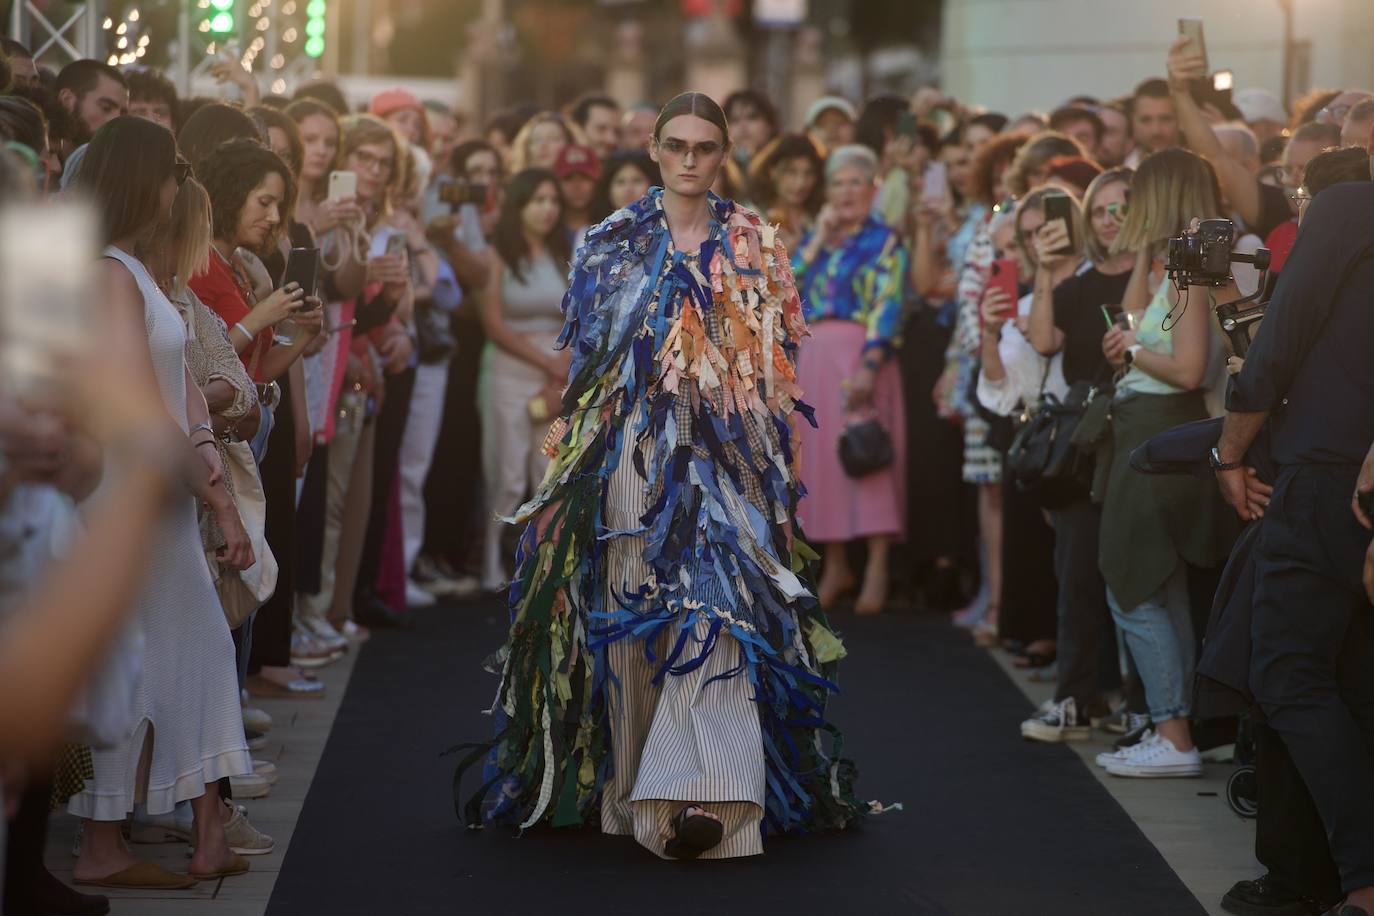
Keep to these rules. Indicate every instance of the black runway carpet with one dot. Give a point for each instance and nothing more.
(992, 825)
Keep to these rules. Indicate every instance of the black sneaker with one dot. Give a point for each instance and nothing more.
(1137, 726)
(1266, 897)
(374, 613)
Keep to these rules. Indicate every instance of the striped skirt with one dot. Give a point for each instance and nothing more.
(684, 740)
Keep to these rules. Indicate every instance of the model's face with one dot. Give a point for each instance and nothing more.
(1154, 124)
(320, 137)
(1109, 212)
(374, 163)
(795, 179)
(833, 128)
(261, 213)
(409, 123)
(541, 215)
(628, 185)
(849, 192)
(602, 129)
(155, 110)
(546, 141)
(689, 150)
(577, 191)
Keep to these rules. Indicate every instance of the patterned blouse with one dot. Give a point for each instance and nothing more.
(861, 281)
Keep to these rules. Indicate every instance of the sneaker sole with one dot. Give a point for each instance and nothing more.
(1034, 731)
(1165, 772)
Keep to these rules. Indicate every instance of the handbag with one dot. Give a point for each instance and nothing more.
(241, 592)
(1043, 459)
(865, 448)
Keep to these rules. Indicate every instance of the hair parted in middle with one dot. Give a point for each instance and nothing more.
(698, 104)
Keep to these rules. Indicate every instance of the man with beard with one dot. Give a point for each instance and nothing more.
(92, 93)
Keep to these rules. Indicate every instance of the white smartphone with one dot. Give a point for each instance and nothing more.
(1192, 30)
(343, 185)
(935, 183)
(47, 295)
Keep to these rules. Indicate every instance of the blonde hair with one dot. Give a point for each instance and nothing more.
(1169, 189)
(1035, 155)
(363, 129)
(520, 145)
(1092, 248)
(187, 236)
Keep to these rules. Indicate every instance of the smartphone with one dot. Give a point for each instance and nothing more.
(47, 294)
(303, 267)
(907, 125)
(1110, 314)
(935, 183)
(343, 185)
(1192, 30)
(395, 245)
(1059, 207)
(1003, 276)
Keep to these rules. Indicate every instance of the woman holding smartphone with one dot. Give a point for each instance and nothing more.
(1068, 318)
(1153, 528)
(522, 378)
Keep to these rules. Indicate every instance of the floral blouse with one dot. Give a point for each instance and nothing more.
(860, 281)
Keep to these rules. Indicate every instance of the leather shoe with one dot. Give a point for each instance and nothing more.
(1266, 897)
(373, 612)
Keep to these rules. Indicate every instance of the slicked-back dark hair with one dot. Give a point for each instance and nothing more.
(509, 238)
(123, 171)
(231, 173)
(698, 104)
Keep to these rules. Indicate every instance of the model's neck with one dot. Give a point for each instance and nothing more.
(688, 217)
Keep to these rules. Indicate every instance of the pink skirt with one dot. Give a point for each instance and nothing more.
(837, 507)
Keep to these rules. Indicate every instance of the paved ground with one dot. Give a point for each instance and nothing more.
(1188, 821)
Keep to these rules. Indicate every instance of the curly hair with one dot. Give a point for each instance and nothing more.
(231, 173)
(992, 158)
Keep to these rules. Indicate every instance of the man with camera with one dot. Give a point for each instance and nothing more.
(1308, 373)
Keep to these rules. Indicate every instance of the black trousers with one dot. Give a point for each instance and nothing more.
(1312, 662)
(454, 507)
(1084, 619)
(272, 624)
(386, 460)
(1290, 841)
(1030, 593)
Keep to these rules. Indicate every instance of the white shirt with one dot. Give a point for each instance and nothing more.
(1024, 368)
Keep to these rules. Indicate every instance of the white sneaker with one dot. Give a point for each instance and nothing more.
(417, 596)
(1157, 758)
(1056, 723)
(266, 769)
(323, 632)
(1106, 757)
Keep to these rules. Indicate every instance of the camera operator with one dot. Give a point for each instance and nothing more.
(1312, 627)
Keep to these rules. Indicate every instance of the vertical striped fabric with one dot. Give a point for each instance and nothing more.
(681, 741)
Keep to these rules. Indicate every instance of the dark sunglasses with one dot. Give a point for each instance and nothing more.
(181, 170)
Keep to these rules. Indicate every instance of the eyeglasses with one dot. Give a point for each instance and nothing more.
(1302, 197)
(704, 150)
(368, 161)
(181, 170)
(1333, 114)
(1116, 211)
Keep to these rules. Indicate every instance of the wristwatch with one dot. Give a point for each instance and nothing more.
(1131, 351)
(1214, 459)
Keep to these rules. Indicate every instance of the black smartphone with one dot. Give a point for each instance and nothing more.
(1059, 207)
(303, 267)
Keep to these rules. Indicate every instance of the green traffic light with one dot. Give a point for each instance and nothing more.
(222, 23)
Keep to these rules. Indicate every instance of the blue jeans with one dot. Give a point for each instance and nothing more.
(1159, 634)
(259, 441)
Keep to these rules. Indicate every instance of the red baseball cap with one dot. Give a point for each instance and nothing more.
(576, 159)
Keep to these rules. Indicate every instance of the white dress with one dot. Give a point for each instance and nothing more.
(188, 702)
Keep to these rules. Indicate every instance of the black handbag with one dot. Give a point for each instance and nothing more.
(1043, 460)
(865, 448)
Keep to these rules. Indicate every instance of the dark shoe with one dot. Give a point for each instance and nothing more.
(1265, 897)
(693, 835)
(375, 613)
(1138, 727)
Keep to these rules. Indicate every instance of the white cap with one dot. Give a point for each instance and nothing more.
(1259, 105)
(827, 103)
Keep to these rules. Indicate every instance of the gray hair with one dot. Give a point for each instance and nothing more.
(856, 155)
(1238, 139)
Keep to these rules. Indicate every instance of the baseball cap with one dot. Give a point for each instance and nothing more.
(384, 103)
(576, 159)
(830, 103)
(1259, 105)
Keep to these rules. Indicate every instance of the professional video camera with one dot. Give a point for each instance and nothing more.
(1204, 258)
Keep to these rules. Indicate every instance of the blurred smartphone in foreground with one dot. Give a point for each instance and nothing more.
(1058, 207)
(343, 185)
(1191, 29)
(47, 293)
(935, 184)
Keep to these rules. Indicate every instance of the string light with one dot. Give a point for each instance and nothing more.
(109, 24)
(133, 15)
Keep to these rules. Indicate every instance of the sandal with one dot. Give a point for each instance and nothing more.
(693, 834)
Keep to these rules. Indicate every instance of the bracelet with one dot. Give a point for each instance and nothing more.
(246, 333)
(201, 426)
(205, 442)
